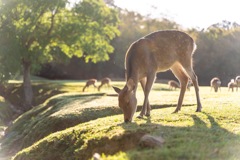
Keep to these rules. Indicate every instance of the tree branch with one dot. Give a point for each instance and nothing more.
(54, 13)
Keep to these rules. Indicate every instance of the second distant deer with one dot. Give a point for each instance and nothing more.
(215, 83)
(232, 85)
(104, 81)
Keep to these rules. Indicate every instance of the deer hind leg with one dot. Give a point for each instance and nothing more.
(147, 88)
(180, 74)
(194, 79)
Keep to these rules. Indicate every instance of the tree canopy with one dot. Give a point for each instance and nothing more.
(36, 32)
(218, 54)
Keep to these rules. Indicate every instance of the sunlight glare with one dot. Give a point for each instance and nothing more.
(187, 13)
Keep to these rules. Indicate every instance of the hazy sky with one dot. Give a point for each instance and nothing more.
(188, 13)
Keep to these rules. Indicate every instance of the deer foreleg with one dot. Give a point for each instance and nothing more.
(146, 85)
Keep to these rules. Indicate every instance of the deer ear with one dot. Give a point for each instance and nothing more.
(118, 90)
(130, 85)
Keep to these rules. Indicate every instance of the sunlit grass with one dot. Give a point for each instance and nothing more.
(91, 122)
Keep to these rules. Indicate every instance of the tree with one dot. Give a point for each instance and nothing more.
(36, 32)
(132, 27)
(218, 54)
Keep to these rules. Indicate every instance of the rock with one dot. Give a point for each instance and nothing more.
(151, 141)
(96, 156)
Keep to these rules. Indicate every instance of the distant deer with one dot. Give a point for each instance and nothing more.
(215, 83)
(157, 52)
(237, 80)
(231, 85)
(173, 85)
(104, 81)
(189, 85)
(90, 82)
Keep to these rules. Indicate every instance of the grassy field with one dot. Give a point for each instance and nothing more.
(75, 125)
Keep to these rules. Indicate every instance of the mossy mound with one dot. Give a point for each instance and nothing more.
(187, 136)
(56, 114)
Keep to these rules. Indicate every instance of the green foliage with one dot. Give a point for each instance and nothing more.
(99, 27)
(40, 31)
(6, 113)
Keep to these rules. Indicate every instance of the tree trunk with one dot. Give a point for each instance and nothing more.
(27, 86)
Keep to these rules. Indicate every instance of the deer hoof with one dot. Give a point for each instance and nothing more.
(147, 115)
(140, 116)
(198, 110)
(176, 111)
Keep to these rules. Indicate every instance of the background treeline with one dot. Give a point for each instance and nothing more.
(90, 39)
(218, 52)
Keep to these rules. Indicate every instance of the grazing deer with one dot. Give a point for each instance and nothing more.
(215, 83)
(189, 85)
(173, 84)
(104, 81)
(231, 85)
(237, 80)
(157, 52)
(90, 82)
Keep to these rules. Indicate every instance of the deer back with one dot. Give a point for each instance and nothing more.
(158, 51)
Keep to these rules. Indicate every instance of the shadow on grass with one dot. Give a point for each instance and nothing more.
(44, 120)
(199, 141)
(205, 139)
(195, 142)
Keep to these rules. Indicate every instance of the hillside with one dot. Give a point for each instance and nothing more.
(75, 125)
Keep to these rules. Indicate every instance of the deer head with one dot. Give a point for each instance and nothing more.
(127, 100)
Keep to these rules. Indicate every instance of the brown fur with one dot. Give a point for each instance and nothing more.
(173, 84)
(215, 83)
(237, 80)
(104, 81)
(232, 85)
(90, 82)
(157, 52)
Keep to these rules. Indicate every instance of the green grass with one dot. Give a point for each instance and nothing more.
(75, 125)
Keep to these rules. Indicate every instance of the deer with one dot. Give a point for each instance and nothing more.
(173, 84)
(104, 81)
(157, 52)
(231, 85)
(237, 80)
(189, 85)
(90, 82)
(215, 83)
